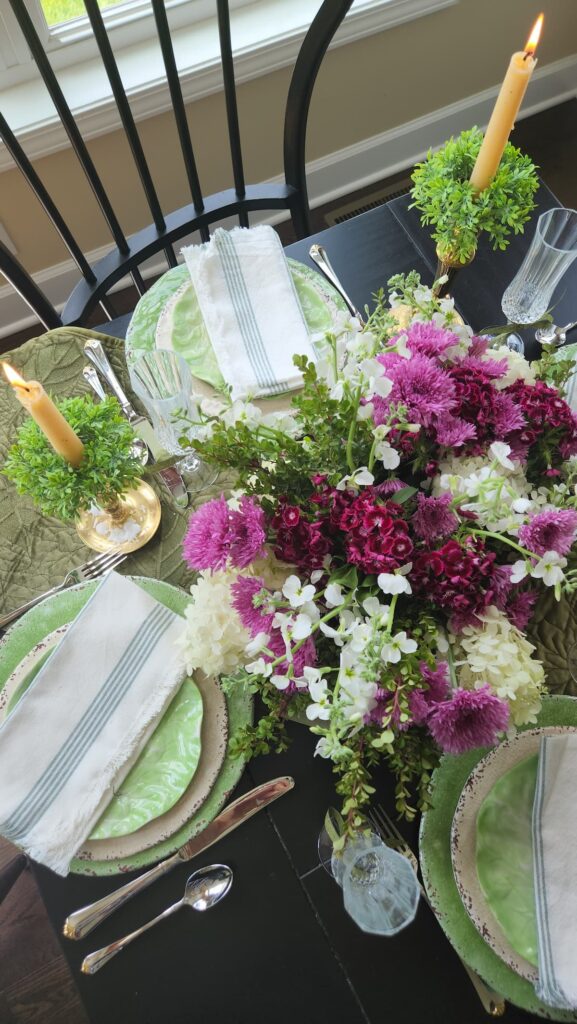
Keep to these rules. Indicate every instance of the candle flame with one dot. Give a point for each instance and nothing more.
(531, 44)
(12, 376)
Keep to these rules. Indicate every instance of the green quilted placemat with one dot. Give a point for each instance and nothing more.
(35, 551)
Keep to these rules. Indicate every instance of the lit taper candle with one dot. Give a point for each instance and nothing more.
(521, 67)
(58, 431)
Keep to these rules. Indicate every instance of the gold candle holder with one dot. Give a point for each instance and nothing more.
(125, 524)
(447, 266)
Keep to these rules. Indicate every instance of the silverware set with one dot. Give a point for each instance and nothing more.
(90, 570)
(492, 1001)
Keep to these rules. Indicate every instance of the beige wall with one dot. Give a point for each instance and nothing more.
(364, 88)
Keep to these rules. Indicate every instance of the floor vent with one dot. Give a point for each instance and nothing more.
(352, 209)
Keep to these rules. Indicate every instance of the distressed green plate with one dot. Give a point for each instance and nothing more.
(168, 316)
(435, 855)
(36, 625)
(166, 765)
(505, 855)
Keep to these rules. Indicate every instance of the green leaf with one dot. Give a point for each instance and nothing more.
(403, 495)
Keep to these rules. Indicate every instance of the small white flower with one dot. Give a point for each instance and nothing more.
(519, 571)
(333, 595)
(321, 706)
(550, 569)
(242, 412)
(388, 455)
(401, 347)
(281, 682)
(296, 593)
(360, 478)
(501, 451)
(391, 583)
(303, 627)
(374, 608)
(400, 644)
(260, 667)
(365, 412)
(316, 575)
(256, 645)
(337, 391)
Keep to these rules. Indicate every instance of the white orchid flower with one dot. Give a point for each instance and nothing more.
(260, 667)
(501, 451)
(519, 571)
(333, 595)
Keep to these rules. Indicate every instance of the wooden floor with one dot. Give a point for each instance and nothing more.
(36, 986)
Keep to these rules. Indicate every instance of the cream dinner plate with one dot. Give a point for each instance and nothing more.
(491, 849)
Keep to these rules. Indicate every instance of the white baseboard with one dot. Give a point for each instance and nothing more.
(341, 172)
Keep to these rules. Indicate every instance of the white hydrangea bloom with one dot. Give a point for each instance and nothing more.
(497, 653)
(213, 638)
(519, 368)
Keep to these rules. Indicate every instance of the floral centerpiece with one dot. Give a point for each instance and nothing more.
(376, 568)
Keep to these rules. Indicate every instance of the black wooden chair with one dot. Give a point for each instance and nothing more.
(166, 227)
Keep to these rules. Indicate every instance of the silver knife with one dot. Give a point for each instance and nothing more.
(94, 351)
(82, 921)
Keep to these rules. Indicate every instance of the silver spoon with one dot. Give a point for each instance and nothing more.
(139, 448)
(203, 890)
(553, 335)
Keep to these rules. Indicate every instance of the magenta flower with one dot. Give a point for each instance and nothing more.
(452, 432)
(249, 598)
(217, 534)
(428, 340)
(420, 385)
(471, 718)
(551, 530)
(422, 702)
(303, 656)
(206, 544)
(434, 518)
(246, 533)
(519, 607)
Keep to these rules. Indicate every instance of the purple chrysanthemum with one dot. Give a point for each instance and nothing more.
(427, 340)
(249, 599)
(434, 518)
(551, 530)
(217, 534)
(422, 702)
(421, 386)
(246, 533)
(507, 416)
(452, 432)
(519, 607)
(205, 544)
(471, 718)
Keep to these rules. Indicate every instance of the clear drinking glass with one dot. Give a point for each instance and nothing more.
(380, 889)
(163, 382)
(552, 250)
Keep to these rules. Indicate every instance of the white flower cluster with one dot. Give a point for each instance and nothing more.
(214, 638)
(498, 654)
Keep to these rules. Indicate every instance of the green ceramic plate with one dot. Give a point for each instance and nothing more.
(166, 765)
(505, 855)
(435, 853)
(168, 316)
(33, 627)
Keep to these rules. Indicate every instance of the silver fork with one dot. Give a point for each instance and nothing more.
(492, 1001)
(90, 570)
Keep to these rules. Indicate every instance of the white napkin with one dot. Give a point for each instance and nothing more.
(555, 869)
(250, 308)
(77, 731)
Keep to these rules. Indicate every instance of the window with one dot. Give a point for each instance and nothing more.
(60, 12)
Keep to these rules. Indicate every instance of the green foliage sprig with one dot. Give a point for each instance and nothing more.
(447, 200)
(107, 468)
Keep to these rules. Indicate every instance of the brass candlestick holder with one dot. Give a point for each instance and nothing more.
(447, 267)
(125, 524)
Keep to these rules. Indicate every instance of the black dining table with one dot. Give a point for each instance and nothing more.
(281, 948)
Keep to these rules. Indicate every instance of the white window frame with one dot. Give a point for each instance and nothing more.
(266, 36)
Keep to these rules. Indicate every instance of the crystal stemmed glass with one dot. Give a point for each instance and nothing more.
(552, 250)
(380, 889)
(163, 382)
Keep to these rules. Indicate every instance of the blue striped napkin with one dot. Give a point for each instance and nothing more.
(555, 869)
(251, 310)
(79, 728)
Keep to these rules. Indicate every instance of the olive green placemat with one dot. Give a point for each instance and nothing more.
(36, 551)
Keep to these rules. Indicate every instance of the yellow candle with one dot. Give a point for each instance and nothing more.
(521, 67)
(58, 431)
